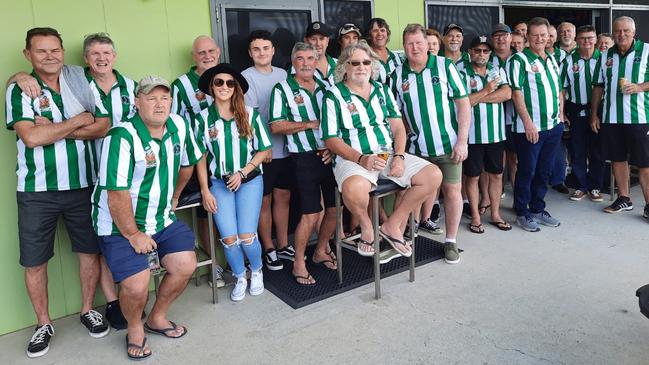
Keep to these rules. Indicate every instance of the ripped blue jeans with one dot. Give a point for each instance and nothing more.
(238, 213)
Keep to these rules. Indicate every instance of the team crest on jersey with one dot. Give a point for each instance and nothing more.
(535, 67)
(381, 100)
(609, 63)
(200, 96)
(213, 132)
(149, 157)
(575, 68)
(44, 102)
(435, 80)
(177, 149)
(125, 99)
(405, 86)
(352, 108)
(473, 83)
(299, 100)
(637, 59)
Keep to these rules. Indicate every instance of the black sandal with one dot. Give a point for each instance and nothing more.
(139, 347)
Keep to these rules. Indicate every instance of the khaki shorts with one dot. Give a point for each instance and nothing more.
(412, 165)
(451, 171)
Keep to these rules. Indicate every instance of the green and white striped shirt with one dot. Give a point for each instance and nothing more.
(388, 67)
(289, 101)
(577, 77)
(328, 79)
(487, 119)
(66, 164)
(188, 100)
(226, 148)
(559, 54)
(633, 66)
(426, 99)
(147, 167)
(362, 125)
(510, 112)
(538, 80)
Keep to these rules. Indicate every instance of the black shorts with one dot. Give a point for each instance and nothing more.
(279, 174)
(626, 142)
(509, 142)
(314, 179)
(489, 156)
(38, 215)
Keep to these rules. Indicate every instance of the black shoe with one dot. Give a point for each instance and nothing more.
(114, 316)
(646, 212)
(286, 253)
(39, 344)
(95, 324)
(562, 188)
(271, 260)
(466, 210)
(434, 214)
(620, 204)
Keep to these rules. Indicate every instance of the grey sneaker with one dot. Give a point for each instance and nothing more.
(451, 253)
(527, 223)
(546, 219)
(429, 226)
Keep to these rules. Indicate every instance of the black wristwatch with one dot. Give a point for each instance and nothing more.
(402, 157)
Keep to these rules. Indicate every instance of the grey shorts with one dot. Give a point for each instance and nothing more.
(412, 165)
(38, 215)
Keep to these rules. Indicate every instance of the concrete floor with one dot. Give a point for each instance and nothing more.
(561, 296)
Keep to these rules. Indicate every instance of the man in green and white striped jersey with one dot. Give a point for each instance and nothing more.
(55, 174)
(566, 36)
(295, 112)
(361, 124)
(488, 90)
(621, 77)
(432, 96)
(317, 35)
(534, 78)
(576, 76)
(453, 36)
(145, 163)
(378, 37)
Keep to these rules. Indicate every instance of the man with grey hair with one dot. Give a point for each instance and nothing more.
(624, 129)
(566, 34)
(430, 91)
(295, 112)
(360, 120)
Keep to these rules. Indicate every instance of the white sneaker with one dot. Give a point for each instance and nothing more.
(256, 282)
(239, 291)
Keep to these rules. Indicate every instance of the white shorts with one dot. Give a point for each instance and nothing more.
(412, 165)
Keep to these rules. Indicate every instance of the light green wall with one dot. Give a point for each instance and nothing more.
(152, 36)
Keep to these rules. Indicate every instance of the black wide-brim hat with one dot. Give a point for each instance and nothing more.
(205, 82)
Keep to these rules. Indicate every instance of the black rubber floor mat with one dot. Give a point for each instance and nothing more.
(357, 271)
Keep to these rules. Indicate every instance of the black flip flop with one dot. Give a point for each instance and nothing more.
(483, 209)
(393, 242)
(323, 263)
(163, 331)
(476, 228)
(502, 225)
(303, 277)
(139, 347)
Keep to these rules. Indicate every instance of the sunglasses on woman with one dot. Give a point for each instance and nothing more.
(219, 82)
(358, 63)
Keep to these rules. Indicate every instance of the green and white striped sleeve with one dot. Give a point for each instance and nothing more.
(261, 141)
(18, 106)
(194, 146)
(390, 103)
(329, 117)
(456, 88)
(516, 73)
(117, 161)
(278, 105)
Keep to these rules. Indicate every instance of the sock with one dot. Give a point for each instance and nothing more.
(466, 201)
(450, 240)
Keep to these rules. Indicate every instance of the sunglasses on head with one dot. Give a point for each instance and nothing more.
(219, 82)
(358, 63)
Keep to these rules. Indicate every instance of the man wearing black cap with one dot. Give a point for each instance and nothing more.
(453, 36)
(488, 89)
(348, 34)
(317, 35)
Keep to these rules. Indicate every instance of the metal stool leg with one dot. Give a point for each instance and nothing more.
(156, 283)
(210, 230)
(197, 274)
(612, 187)
(412, 246)
(377, 240)
(339, 229)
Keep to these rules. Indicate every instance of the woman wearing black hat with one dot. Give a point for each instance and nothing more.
(237, 143)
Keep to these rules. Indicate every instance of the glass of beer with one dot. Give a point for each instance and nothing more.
(621, 82)
(384, 152)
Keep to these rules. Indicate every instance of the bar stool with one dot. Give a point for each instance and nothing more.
(384, 187)
(188, 201)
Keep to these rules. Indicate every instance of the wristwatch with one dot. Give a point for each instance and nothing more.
(402, 157)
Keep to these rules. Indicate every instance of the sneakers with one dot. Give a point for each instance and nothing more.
(95, 324)
(620, 204)
(577, 195)
(218, 273)
(527, 223)
(546, 219)
(256, 282)
(239, 291)
(114, 315)
(429, 226)
(39, 344)
(451, 253)
(595, 196)
(286, 253)
(562, 188)
(272, 262)
(434, 214)
(466, 210)
(646, 212)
